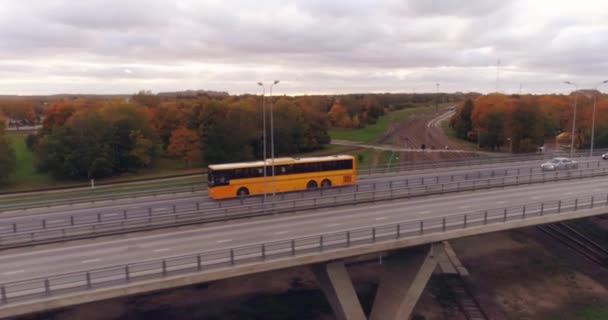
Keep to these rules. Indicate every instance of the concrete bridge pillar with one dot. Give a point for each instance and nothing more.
(339, 290)
(405, 275)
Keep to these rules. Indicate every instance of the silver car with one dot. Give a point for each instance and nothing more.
(559, 164)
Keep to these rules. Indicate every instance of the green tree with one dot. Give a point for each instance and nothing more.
(493, 134)
(7, 157)
(526, 127)
(463, 123)
(80, 149)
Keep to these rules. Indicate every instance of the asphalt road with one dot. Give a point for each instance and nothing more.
(140, 206)
(34, 262)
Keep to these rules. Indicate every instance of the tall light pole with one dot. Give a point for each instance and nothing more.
(593, 117)
(437, 97)
(272, 138)
(264, 134)
(573, 117)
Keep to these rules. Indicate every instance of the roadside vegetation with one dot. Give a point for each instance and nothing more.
(146, 135)
(376, 130)
(525, 122)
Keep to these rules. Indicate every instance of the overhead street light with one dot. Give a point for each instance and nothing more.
(573, 117)
(272, 139)
(593, 117)
(264, 134)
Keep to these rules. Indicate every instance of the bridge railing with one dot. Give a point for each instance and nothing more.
(363, 172)
(90, 225)
(43, 287)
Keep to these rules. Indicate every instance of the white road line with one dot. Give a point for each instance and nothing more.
(8, 273)
(223, 241)
(55, 221)
(534, 198)
(381, 218)
(90, 260)
(424, 212)
(281, 232)
(333, 225)
(162, 250)
(501, 202)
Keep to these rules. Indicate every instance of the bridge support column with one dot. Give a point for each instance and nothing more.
(338, 288)
(404, 278)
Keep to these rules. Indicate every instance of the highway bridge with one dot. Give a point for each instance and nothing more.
(189, 239)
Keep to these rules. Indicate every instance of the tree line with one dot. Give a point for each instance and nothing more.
(101, 136)
(523, 123)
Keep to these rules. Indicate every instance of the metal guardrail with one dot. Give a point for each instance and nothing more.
(199, 187)
(411, 166)
(212, 260)
(69, 228)
(362, 172)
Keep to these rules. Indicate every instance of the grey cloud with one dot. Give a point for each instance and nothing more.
(320, 45)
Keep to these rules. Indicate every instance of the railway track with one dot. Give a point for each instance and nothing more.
(578, 242)
(468, 305)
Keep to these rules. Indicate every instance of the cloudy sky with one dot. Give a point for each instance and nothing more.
(312, 46)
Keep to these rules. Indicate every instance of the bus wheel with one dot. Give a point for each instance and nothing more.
(311, 185)
(326, 183)
(243, 192)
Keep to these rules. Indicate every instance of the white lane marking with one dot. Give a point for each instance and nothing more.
(424, 212)
(223, 241)
(501, 202)
(381, 218)
(534, 198)
(333, 225)
(162, 250)
(55, 221)
(281, 232)
(8, 273)
(90, 260)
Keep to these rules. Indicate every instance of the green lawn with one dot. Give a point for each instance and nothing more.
(592, 313)
(375, 131)
(25, 173)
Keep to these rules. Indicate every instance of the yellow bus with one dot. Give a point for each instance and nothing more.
(291, 174)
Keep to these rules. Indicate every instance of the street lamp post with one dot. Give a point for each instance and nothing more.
(437, 97)
(593, 117)
(272, 139)
(573, 117)
(264, 134)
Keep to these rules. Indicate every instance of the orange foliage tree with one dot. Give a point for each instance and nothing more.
(185, 145)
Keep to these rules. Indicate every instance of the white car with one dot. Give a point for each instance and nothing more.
(605, 156)
(559, 164)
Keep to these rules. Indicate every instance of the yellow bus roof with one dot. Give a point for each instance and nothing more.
(277, 161)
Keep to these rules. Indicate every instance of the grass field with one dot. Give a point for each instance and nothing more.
(375, 131)
(596, 313)
(25, 173)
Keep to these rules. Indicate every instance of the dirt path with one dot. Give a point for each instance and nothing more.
(425, 128)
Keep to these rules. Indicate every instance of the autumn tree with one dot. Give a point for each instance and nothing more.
(185, 145)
